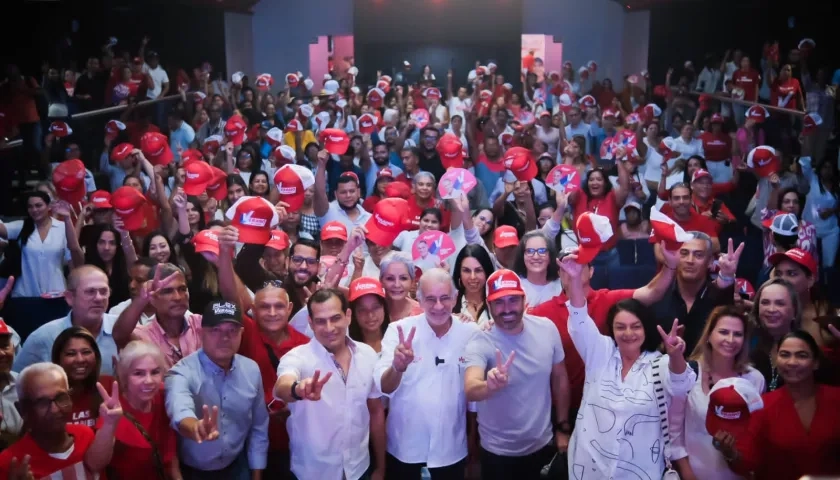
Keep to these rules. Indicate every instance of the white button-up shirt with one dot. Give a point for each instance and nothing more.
(42, 261)
(427, 412)
(687, 149)
(329, 437)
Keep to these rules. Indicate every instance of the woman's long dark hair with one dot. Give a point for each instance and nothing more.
(643, 313)
(799, 196)
(607, 184)
(89, 383)
(118, 278)
(147, 243)
(483, 258)
(686, 177)
(28, 223)
(355, 331)
(267, 181)
(202, 222)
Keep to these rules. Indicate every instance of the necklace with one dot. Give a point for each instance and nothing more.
(774, 375)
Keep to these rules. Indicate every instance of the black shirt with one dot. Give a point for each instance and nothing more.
(95, 87)
(673, 306)
(431, 164)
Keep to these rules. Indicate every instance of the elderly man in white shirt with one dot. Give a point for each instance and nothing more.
(335, 404)
(421, 370)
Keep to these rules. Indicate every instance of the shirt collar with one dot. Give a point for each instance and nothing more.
(154, 325)
(209, 366)
(107, 327)
(321, 351)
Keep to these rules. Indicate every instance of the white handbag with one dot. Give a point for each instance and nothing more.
(662, 404)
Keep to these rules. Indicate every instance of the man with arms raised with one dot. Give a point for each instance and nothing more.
(518, 362)
(335, 404)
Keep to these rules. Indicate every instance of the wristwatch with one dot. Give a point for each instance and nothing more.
(563, 427)
(294, 391)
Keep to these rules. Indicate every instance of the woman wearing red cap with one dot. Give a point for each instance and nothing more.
(369, 312)
(776, 312)
(797, 433)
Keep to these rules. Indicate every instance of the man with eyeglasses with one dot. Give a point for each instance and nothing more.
(346, 207)
(216, 401)
(87, 295)
(421, 369)
(303, 272)
(52, 447)
(214, 126)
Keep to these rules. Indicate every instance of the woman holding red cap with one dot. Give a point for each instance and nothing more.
(776, 312)
(369, 312)
(797, 433)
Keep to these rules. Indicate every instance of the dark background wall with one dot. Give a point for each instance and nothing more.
(442, 33)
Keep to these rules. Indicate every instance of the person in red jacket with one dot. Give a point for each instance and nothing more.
(797, 433)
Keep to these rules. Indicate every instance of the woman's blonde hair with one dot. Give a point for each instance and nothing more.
(135, 350)
(703, 351)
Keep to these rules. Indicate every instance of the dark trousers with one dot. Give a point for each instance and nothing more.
(278, 467)
(397, 470)
(238, 470)
(528, 467)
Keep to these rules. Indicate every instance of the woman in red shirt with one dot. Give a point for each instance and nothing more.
(75, 351)
(144, 443)
(786, 92)
(748, 80)
(596, 195)
(797, 433)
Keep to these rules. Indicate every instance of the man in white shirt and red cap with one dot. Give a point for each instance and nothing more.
(518, 362)
(421, 370)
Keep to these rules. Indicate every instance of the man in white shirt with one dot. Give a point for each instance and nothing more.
(518, 362)
(421, 370)
(335, 404)
(576, 126)
(153, 69)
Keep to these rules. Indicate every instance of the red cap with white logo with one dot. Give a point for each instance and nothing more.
(451, 151)
(69, 180)
(212, 143)
(128, 205)
(334, 141)
(387, 221)
(294, 125)
(503, 283)
(764, 161)
(292, 80)
(588, 101)
(367, 124)
(284, 155)
(206, 241)
(364, 286)
(375, 97)
(593, 231)
(155, 147)
(292, 181)
(235, 129)
(798, 256)
(113, 127)
(731, 402)
(4, 329)
(810, 123)
(274, 137)
(519, 161)
(264, 81)
(197, 176)
(254, 217)
(334, 230)
(101, 199)
(699, 174)
(217, 187)
(664, 228)
(121, 152)
(758, 113)
(279, 240)
(60, 129)
(505, 236)
(652, 111)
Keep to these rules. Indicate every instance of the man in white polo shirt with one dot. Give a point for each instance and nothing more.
(515, 372)
(421, 370)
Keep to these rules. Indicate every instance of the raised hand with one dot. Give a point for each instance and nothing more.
(674, 345)
(834, 331)
(4, 293)
(724, 442)
(569, 264)
(728, 262)
(19, 470)
(323, 158)
(206, 429)
(282, 209)
(153, 286)
(671, 257)
(61, 209)
(403, 354)
(310, 388)
(497, 377)
(110, 408)
(228, 236)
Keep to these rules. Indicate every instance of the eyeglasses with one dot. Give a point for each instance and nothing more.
(430, 137)
(298, 260)
(92, 292)
(62, 400)
(531, 252)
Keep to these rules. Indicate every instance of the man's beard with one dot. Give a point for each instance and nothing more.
(346, 208)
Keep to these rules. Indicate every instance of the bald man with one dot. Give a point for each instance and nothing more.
(87, 295)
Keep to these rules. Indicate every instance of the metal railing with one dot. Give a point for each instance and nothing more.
(747, 103)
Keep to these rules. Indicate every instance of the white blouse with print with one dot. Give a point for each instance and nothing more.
(617, 434)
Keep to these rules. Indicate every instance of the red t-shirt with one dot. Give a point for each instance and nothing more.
(717, 148)
(606, 206)
(598, 303)
(370, 202)
(415, 210)
(695, 222)
(750, 81)
(45, 466)
(786, 94)
(255, 346)
(84, 410)
(133, 459)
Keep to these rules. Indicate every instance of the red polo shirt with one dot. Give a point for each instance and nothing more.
(716, 147)
(750, 81)
(598, 303)
(697, 222)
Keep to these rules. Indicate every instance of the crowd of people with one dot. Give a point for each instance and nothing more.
(291, 278)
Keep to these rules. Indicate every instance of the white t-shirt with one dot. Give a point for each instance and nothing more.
(538, 294)
(458, 106)
(159, 76)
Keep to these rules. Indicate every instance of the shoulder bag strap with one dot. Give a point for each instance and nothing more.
(155, 452)
(662, 405)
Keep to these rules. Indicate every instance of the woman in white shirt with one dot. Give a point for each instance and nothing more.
(46, 245)
(722, 352)
(536, 265)
(686, 144)
(629, 387)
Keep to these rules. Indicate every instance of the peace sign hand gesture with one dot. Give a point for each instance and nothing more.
(497, 377)
(20, 470)
(205, 429)
(403, 354)
(310, 388)
(152, 287)
(674, 345)
(110, 409)
(728, 262)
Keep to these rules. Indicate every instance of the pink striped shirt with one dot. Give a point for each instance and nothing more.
(188, 342)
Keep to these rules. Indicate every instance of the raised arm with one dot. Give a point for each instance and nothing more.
(320, 202)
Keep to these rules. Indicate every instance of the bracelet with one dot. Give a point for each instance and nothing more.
(294, 393)
(342, 262)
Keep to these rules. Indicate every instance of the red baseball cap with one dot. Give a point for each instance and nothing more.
(274, 137)
(294, 125)
(666, 149)
(279, 240)
(155, 146)
(432, 93)
(206, 241)
(212, 143)
(652, 111)
(284, 155)
(387, 221)
(505, 236)
(758, 113)
(588, 101)
(810, 123)
(197, 176)
(796, 255)
(503, 283)
(292, 181)
(191, 155)
(375, 97)
(518, 160)
(292, 79)
(264, 81)
(121, 151)
(731, 402)
(367, 123)
(217, 187)
(4, 329)
(744, 288)
(101, 199)
(451, 151)
(385, 172)
(334, 140)
(398, 190)
(593, 231)
(365, 286)
(664, 228)
(254, 217)
(334, 229)
(69, 180)
(128, 205)
(764, 161)
(60, 129)
(113, 127)
(700, 173)
(235, 128)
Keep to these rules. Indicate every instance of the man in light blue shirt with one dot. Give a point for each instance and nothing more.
(87, 294)
(181, 134)
(228, 389)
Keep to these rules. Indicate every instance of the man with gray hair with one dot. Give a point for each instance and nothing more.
(421, 370)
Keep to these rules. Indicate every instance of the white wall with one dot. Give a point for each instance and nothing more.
(589, 30)
(636, 41)
(239, 45)
(282, 31)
